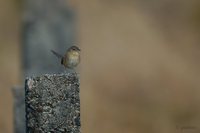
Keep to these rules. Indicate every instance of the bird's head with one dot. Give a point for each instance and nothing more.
(74, 48)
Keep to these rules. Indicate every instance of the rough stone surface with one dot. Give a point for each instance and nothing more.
(52, 104)
(19, 110)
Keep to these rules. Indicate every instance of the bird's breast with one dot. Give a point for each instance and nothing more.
(73, 59)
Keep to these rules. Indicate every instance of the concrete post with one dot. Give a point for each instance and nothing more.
(52, 104)
(46, 25)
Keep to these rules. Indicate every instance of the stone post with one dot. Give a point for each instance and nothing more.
(46, 25)
(52, 104)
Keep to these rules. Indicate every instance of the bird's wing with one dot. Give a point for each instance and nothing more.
(57, 54)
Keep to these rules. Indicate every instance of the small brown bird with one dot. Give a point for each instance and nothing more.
(71, 58)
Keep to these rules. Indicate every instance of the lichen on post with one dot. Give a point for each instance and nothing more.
(52, 104)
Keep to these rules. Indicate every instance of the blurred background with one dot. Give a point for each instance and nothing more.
(139, 68)
(10, 71)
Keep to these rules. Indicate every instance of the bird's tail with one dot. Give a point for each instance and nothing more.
(57, 54)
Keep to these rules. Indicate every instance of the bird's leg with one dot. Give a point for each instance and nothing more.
(66, 70)
(75, 72)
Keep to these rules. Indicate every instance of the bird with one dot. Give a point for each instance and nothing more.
(71, 58)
